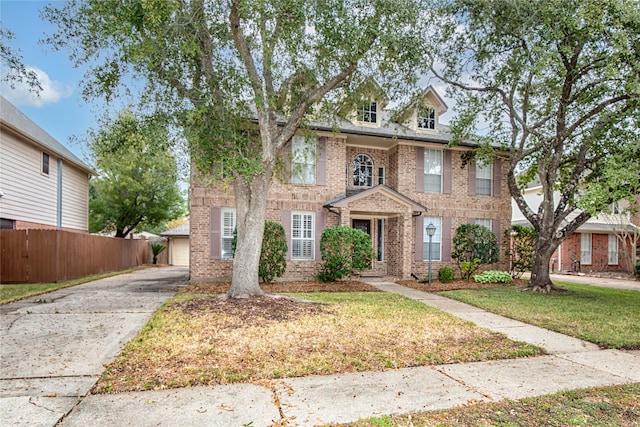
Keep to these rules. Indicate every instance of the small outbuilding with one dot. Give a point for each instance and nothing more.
(178, 245)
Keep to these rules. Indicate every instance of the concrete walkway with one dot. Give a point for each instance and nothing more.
(313, 400)
(53, 347)
(606, 282)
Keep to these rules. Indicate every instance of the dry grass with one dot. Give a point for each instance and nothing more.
(203, 339)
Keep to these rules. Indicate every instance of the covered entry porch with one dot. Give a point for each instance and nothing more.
(389, 218)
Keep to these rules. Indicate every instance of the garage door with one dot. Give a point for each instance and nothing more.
(180, 251)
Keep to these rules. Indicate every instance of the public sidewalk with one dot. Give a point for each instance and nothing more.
(319, 400)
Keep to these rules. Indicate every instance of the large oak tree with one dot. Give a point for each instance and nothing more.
(558, 83)
(241, 76)
(137, 177)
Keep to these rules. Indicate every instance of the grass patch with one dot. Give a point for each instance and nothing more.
(208, 340)
(10, 293)
(602, 406)
(604, 316)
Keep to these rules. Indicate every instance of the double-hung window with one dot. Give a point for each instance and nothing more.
(302, 235)
(484, 179)
(484, 222)
(368, 113)
(432, 171)
(436, 240)
(426, 118)
(227, 226)
(303, 160)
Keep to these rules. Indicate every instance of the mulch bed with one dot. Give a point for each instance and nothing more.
(344, 286)
(286, 287)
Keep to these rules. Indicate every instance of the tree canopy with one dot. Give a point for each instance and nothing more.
(137, 177)
(558, 84)
(14, 70)
(241, 76)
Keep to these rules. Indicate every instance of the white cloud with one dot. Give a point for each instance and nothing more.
(51, 93)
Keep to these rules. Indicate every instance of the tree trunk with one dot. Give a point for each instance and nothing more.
(540, 280)
(251, 208)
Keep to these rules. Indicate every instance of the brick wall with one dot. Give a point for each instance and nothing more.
(399, 161)
(570, 250)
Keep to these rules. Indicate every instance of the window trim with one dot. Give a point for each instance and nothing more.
(586, 239)
(610, 252)
(45, 164)
(368, 110)
(429, 119)
(427, 151)
(382, 178)
(311, 239)
(223, 235)
(380, 255)
(425, 238)
(489, 167)
(300, 144)
(480, 221)
(369, 167)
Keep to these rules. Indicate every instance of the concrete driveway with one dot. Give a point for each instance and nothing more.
(54, 346)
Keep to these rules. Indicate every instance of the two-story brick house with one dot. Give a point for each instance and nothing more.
(389, 175)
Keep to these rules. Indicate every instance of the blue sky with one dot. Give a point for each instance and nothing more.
(59, 109)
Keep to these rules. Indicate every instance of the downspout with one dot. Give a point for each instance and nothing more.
(59, 197)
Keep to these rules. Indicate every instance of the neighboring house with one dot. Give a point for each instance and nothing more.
(42, 184)
(389, 176)
(596, 245)
(178, 245)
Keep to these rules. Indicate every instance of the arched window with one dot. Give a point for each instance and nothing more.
(362, 171)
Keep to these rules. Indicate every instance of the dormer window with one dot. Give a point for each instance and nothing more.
(426, 118)
(368, 113)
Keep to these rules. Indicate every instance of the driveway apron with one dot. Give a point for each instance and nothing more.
(53, 347)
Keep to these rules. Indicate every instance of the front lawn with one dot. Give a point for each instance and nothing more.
(604, 316)
(601, 406)
(202, 339)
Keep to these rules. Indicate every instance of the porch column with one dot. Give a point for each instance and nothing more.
(345, 217)
(406, 247)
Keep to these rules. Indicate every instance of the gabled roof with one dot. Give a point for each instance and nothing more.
(430, 96)
(345, 200)
(18, 121)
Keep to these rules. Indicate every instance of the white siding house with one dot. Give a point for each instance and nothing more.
(42, 183)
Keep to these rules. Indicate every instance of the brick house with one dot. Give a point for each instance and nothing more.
(595, 247)
(389, 175)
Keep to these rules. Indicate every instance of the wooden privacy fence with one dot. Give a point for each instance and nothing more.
(32, 256)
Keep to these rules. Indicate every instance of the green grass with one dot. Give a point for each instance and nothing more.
(607, 317)
(601, 406)
(10, 293)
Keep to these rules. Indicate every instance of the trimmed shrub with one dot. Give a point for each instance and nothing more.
(446, 274)
(493, 276)
(344, 249)
(273, 261)
(474, 245)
